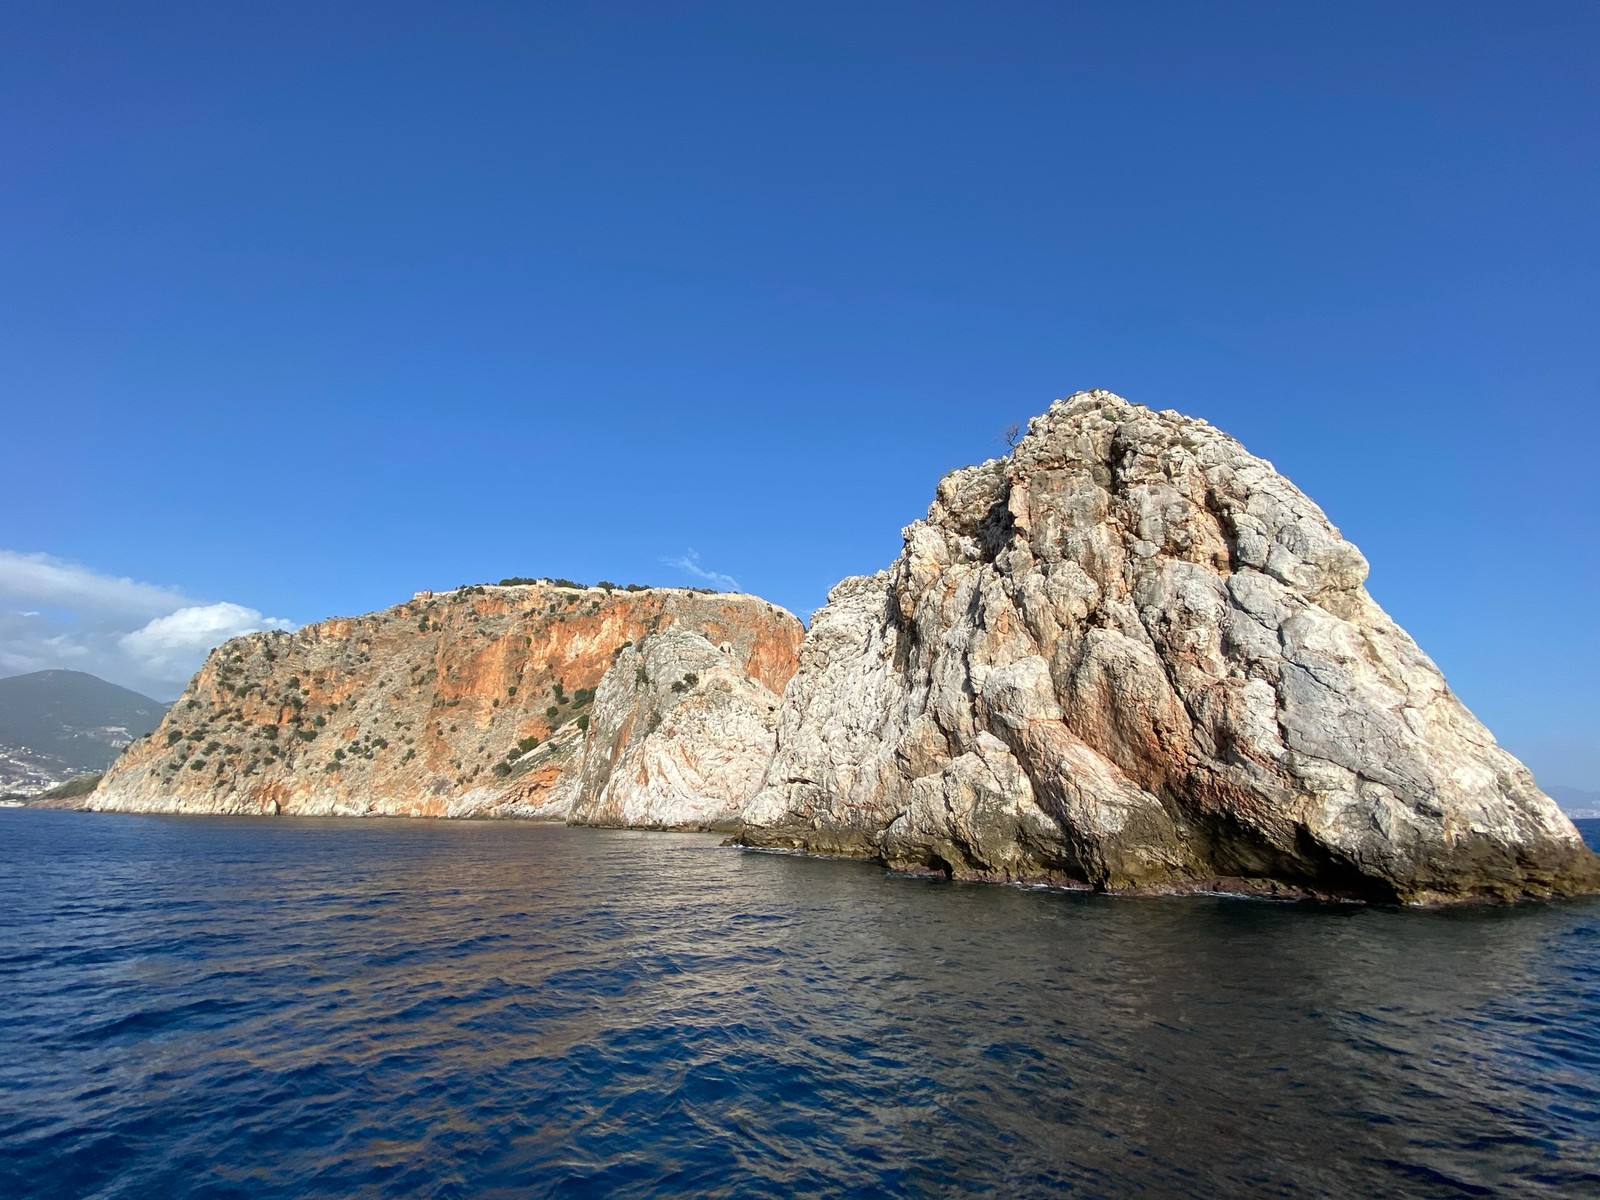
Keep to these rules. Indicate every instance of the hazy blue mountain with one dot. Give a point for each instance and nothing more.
(56, 724)
(1575, 801)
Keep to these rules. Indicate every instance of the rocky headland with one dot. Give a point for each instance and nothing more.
(538, 700)
(1133, 657)
(1128, 656)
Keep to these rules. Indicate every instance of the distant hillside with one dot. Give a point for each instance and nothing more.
(58, 724)
(1575, 801)
(654, 707)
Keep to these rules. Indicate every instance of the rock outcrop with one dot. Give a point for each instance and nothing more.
(682, 734)
(1130, 656)
(470, 703)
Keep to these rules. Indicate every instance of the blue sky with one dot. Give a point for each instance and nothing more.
(308, 306)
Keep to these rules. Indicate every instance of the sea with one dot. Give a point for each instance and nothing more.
(219, 1007)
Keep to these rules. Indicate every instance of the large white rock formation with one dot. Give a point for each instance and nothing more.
(1132, 656)
(682, 732)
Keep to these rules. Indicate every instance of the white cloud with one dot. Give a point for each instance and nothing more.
(690, 561)
(51, 582)
(174, 645)
(145, 636)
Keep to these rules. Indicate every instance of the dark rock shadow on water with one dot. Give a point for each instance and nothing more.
(217, 1007)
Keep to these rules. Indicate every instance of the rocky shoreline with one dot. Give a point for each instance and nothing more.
(1129, 657)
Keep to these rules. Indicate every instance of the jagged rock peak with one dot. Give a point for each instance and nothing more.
(1132, 656)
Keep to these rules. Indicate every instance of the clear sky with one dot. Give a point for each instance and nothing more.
(307, 306)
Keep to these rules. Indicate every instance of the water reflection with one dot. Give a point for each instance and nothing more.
(398, 1008)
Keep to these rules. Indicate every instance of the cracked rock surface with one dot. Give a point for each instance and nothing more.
(1131, 656)
(682, 733)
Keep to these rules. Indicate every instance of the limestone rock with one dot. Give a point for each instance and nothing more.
(681, 736)
(1131, 656)
(471, 703)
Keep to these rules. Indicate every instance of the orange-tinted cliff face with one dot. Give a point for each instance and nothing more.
(472, 702)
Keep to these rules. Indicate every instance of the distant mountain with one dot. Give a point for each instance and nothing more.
(58, 724)
(1575, 801)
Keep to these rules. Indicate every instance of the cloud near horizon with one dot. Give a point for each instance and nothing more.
(174, 645)
(689, 561)
(50, 582)
(59, 614)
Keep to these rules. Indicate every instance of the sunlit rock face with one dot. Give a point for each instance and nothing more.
(472, 703)
(1132, 656)
(683, 731)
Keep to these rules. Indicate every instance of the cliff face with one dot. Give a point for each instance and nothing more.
(682, 736)
(1132, 656)
(472, 703)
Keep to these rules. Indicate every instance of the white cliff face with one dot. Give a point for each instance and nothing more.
(1132, 656)
(681, 735)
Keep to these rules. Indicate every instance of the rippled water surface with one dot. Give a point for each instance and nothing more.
(217, 1007)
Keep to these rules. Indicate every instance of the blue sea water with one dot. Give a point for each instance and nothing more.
(275, 1008)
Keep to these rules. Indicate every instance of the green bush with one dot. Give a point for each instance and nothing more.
(583, 721)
